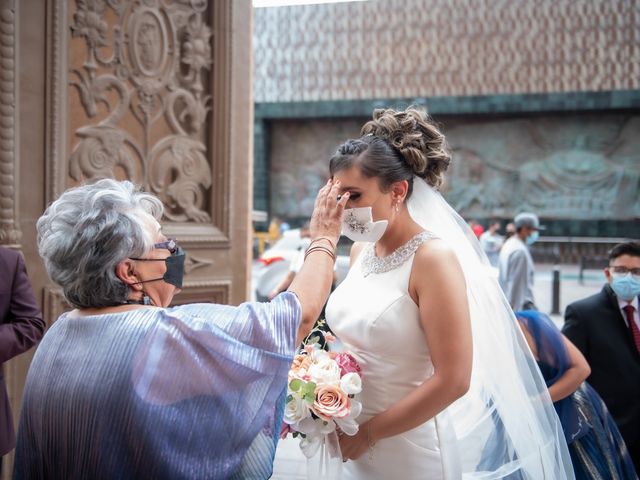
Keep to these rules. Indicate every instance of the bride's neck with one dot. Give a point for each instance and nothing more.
(397, 234)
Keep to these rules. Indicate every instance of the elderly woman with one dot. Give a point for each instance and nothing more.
(125, 386)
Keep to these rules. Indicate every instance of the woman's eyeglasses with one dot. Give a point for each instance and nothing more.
(169, 244)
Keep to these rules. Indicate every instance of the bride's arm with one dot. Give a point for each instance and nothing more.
(438, 286)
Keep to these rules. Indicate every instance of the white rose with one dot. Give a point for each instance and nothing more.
(351, 383)
(296, 410)
(325, 371)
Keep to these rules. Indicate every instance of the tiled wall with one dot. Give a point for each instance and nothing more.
(409, 48)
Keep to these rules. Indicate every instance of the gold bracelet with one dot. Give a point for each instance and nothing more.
(323, 248)
(333, 245)
(319, 248)
(313, 247)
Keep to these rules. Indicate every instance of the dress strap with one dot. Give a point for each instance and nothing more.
(374, 264)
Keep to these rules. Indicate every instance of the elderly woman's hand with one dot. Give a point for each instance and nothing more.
(312, 283)
(326, 220)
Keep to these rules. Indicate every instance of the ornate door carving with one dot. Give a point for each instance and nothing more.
(148, 90)
(155, 91)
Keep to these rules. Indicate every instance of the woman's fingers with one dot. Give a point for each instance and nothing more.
(322, 194)
(342, 202)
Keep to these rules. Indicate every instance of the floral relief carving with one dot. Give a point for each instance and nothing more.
(142, 89)
(10, 233)
(191, 263)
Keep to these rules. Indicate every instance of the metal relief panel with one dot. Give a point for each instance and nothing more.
(405, 48)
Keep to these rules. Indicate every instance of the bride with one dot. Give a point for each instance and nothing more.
(447, 391)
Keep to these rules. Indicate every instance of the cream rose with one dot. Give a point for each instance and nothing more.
(296, 410)
(331, 402)
(324, 371)
(351, 383)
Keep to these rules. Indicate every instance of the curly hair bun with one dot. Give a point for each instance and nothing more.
(412, 133)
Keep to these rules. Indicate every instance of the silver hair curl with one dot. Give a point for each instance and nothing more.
(87, 231)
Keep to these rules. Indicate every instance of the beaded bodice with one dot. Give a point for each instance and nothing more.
(374, 264)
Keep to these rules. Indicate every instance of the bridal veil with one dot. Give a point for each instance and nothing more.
(505, 425)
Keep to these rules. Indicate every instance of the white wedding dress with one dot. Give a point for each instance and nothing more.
(372, 313)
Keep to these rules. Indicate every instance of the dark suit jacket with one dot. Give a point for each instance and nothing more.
(596, 326)
(21, 326)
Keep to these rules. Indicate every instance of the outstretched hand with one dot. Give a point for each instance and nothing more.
(326, 219)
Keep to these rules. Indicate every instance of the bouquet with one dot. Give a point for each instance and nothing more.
(321, 391)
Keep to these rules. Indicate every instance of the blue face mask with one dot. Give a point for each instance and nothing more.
(625, 286)
(531, 239)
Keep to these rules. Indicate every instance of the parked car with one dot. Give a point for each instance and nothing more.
(273, 264)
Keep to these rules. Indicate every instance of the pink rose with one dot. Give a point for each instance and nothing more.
(348, 364)
(331, 402)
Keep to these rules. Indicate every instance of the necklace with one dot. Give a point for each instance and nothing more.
(374, 264)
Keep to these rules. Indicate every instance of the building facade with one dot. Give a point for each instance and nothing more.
(539, 102)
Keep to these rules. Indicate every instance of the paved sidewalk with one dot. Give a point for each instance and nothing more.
(290, 463)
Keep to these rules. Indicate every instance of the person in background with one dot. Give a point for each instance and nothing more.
(509, 231)
(515, 264)
(597, 449)
(125, 386)
(274, 229)
(491, 242)
(476, 228)
(21, 327)
(605, 327)
(296, 262)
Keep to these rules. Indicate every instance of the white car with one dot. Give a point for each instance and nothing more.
(273, 264)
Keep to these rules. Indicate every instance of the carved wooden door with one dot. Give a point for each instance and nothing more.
(155, 91)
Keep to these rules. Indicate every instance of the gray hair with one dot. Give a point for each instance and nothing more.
(87, 231)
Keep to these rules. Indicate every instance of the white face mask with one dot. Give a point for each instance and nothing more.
(358, 225)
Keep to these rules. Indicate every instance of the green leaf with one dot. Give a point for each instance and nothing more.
(309, 387)
(295, 384)
(309, 397)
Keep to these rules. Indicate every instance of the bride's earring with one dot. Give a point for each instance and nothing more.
(397, 205)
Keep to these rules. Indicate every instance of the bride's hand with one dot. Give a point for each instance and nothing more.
(353, 447)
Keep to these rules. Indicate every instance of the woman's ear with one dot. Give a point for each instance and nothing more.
(126, 273)
(399, 190)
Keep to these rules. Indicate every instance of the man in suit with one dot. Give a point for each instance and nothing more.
(515, 265)
(21, 326)
(606, 329)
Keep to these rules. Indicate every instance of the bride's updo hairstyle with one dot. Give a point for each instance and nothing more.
(395, 146)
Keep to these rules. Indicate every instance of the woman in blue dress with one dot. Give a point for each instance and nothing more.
(596, 447)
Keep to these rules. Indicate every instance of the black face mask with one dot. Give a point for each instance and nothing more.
(175, 268)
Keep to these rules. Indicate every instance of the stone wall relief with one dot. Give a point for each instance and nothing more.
(582, 170)
(571, 167)
(145, 71)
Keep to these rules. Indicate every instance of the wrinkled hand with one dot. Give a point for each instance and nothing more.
(326, 219)
(354, 447)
